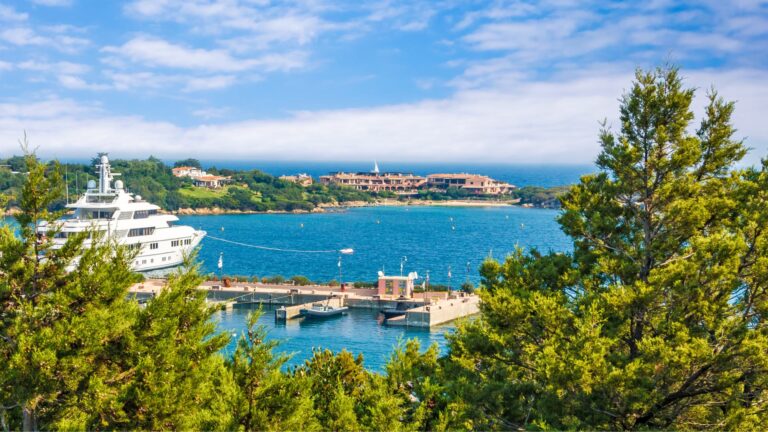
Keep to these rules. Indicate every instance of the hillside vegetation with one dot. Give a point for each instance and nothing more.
(154, 181)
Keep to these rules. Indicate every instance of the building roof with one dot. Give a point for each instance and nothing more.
(459, 176)
(373, 175)
(182, 168)
(211, 178)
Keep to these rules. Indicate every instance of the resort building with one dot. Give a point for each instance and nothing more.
(474, 183)
(399, 183)
(300, 179)
(200, 178)
(396, 286)
(187, 171)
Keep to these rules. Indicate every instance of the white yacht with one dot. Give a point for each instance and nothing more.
(130, 220)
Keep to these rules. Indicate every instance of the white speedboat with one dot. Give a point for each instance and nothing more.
(115, 213)
(320, 310)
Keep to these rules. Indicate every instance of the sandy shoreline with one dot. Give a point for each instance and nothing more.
(352, 204)
(212, 211)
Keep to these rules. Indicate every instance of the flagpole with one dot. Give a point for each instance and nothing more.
(221, 267)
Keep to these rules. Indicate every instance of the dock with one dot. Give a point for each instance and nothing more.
(422, 310)
(438, 312)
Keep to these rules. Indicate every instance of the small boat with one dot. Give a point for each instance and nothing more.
(396, 311)
(319, 310)
(347, 251)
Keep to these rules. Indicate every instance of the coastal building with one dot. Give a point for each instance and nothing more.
(396, 286)
(210, 181)
(473, 183)
(300, 179)
(200, 178)
(187, 171)
(376, 181)
(399, 183)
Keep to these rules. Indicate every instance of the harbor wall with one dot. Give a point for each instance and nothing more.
(429, 310)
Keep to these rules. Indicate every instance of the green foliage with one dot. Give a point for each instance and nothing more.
(155, 182)
(301, 280)
(656, 321)
(540, 196)
(467, 287)
(190, 162)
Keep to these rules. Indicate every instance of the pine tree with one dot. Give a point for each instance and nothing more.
(266, 398)
(77, 353)
(656, 320)
(58, 328)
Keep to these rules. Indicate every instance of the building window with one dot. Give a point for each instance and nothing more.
(388, 285)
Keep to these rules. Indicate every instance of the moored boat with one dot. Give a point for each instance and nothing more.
(320, 310)
(109, 212)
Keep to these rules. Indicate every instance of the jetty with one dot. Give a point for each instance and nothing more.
(425, 309)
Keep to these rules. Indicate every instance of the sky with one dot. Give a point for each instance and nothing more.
(421, 81)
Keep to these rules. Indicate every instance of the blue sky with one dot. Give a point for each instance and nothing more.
(444, 81)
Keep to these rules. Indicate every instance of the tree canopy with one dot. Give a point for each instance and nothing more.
(657, 318)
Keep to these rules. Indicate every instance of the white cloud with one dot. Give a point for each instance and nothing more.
(55, 3)
(211, 113)
(62, 67)
(25, 36)
(76, 83)
(48, 110)
(533, 121)
(151, 51)
(5, 66)
(8, 13)
(209, 83)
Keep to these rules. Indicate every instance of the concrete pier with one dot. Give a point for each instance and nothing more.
(438, 312)
(423, 310)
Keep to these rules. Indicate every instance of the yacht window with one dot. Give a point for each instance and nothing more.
(125, 215)
(97, 214)
(136, 232)
(100, 198)
(187, 241)
(153, 245)
(174, 243)
(61, 235)
(143, 214)
(134, 246)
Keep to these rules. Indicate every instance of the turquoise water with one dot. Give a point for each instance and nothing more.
(358, 332)
(430, 238)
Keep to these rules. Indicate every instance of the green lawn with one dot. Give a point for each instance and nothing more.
(203, 193)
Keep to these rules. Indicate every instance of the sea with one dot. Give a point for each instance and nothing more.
(448, 243)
